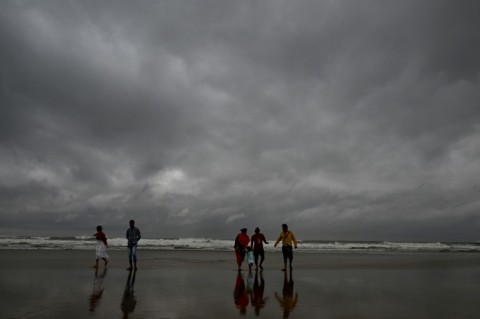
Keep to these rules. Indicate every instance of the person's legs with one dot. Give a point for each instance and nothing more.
(240, 255)
(285, 257)
(287, 254)
(255, 254)
(130, 256)
(290, 256)
(237, 256)
(262, 258)
(134, 256)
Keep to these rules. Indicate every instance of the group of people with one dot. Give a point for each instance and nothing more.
(252, 248)
(133, 235)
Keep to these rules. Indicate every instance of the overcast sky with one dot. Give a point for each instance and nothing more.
(347, 120)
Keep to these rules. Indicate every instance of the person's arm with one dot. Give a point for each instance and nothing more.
(294, 239)
(278, 240)
(264, 240)
(295, 300)
(139, 235)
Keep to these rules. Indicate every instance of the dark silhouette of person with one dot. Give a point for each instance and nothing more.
(288, 242)
(257, 242)
(240, 295)
(258, 300)
(128, 300)
(133, 235)
(98, 289)
(241, 243)
(288, 301)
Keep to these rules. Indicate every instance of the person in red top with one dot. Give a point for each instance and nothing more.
(257, 243)
(241, 243)
(101, 248)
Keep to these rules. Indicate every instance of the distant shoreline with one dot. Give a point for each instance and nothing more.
(86, 243)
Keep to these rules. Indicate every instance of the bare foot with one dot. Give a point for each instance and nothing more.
(129, 268)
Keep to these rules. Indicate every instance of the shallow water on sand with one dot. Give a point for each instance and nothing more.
(184, 284)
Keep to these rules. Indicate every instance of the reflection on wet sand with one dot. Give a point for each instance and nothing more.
(258, 301)
(98, 288)
(288, 301)
(250, 282)
(240, 295)
(128, 300)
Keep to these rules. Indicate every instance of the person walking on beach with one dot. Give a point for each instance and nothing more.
(257, 243)
(241, 242)
(101, 248)
(288, 240)
(133, 236)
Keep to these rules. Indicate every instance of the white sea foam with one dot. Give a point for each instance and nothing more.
(87, 242)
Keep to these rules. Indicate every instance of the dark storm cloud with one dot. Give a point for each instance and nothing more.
(348, 120)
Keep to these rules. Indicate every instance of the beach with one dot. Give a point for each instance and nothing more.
(205, 284)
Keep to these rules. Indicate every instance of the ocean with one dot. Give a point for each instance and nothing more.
(87, 243)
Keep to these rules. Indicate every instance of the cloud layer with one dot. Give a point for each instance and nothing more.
(354, 121)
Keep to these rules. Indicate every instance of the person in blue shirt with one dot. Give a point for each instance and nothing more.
(133, 236)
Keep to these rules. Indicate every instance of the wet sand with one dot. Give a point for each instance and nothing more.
(205, 284)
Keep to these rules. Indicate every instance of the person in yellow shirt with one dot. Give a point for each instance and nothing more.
(288, 240)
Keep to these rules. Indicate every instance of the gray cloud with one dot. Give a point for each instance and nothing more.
(346, 120)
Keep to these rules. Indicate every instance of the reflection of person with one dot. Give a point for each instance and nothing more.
(241, 242)
(257, 242)
(133, 236)
(258, 302)
(128, 300)
(288, 240)
(250, 258)
(250, 283)
(97, 291)
(288, 301)
(101, 248)
(240, 296)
